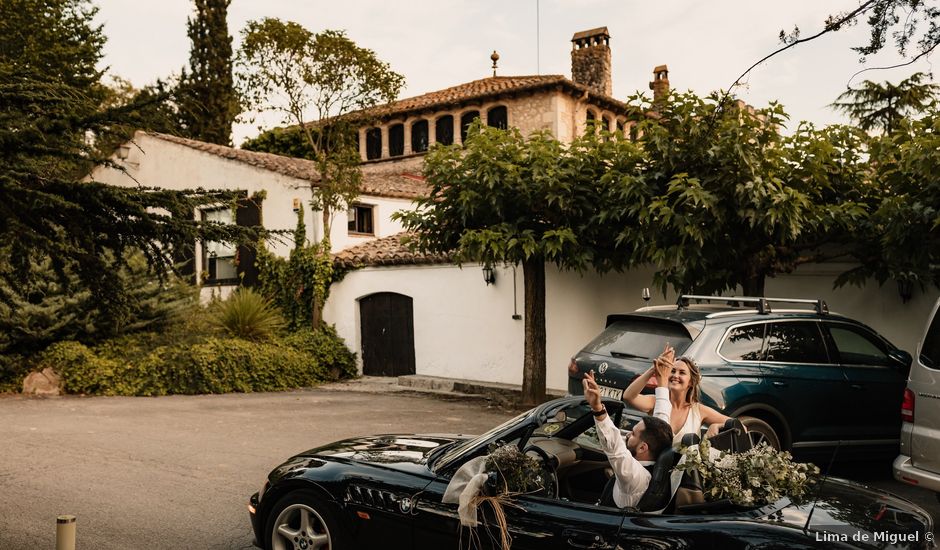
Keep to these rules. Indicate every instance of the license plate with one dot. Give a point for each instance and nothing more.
(613, 393)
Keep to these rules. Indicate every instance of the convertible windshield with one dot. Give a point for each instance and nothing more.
(460, 449)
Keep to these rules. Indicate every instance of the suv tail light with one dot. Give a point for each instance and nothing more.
(907, 406)
(573, 371)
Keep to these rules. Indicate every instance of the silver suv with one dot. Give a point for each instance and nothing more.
(919, 461)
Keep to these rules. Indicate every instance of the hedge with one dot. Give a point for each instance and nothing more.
(129, 366)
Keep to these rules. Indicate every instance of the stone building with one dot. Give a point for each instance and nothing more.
(403, 313)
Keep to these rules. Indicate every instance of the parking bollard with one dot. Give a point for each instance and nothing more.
(65, 533)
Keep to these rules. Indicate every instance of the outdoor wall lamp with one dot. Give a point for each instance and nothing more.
(489, 276)
(123, 152)
(905, 289)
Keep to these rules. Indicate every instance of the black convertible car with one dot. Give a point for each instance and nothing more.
(386, 492)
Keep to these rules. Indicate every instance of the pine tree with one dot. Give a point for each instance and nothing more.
(53, 120)
(208, 104)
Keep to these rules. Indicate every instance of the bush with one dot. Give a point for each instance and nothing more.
(13, 369)
(327, 348)
(248, 315)
(83, 371)
(149, 364)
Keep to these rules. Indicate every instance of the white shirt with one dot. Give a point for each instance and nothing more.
(631, 474)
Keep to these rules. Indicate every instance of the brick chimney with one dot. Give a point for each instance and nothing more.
(590, 59)
(660, 83)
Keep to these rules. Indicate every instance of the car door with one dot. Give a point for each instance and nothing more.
(925, 383)
(809, 387)
(533, 523)
(874, 380)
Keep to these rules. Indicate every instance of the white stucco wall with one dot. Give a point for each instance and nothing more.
(153, 162)
(464, 329)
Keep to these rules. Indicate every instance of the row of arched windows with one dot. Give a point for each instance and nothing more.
(498, 117)
(604, 123)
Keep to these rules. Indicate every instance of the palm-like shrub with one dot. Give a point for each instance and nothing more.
(248, 315)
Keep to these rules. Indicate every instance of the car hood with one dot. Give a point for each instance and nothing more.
(387, 450)
(847, 508)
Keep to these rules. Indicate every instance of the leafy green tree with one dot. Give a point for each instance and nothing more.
(283, 67)
(901, 240)
(504, 198)
(208, 103)
(727, 200)
(53, 122)
(874, 106)
(44, 309)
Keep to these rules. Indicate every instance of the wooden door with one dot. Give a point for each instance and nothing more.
(386, 323)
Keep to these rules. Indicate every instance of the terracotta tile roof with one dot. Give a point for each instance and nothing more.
(384, 251)
(296, 168)
(396, 179)
(390, 181)
(488, 87)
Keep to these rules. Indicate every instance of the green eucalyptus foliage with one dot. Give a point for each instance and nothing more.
(248, 315)
(758, 476)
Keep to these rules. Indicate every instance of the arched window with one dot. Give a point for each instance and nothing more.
(605, 123)
(465, 122)
(498, 117)
(620, 126)
(373, 143)
(396, 140)
(444, 130)
(590, 121)
(419, 136)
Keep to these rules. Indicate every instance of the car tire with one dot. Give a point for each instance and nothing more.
(285, 524)
(758, 430)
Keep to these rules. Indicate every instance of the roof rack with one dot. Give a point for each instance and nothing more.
(762, 304)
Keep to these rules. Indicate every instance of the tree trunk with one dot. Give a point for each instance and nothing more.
(326, 223)
(533, 368)
(753, 285)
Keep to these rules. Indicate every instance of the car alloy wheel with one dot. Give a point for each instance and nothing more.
(760, 431)
(300, 527)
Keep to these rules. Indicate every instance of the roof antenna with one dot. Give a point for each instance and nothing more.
(809, 516)
(538, 41)
(495, 58)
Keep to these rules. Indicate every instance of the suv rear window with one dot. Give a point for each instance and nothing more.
(639, 338)
(930, 350)
(744, 343)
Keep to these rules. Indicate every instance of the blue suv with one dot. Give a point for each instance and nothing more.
(800, 377)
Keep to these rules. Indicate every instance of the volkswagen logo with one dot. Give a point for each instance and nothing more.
(603, 368)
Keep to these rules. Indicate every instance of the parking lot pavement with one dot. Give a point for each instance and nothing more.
(176, 472)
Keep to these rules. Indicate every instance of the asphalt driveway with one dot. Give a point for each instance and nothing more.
(175, 472)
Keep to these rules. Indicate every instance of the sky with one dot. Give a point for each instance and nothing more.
(436, 44)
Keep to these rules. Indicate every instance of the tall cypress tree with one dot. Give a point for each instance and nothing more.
(208, 104)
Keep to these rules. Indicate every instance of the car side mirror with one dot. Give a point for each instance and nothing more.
(901, 357)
